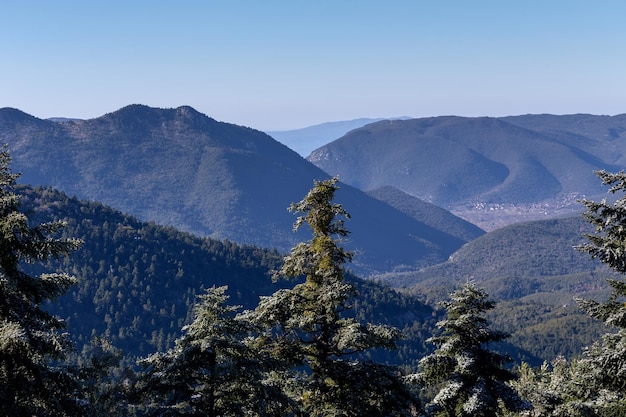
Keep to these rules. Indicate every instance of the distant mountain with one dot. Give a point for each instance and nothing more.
(601, 136)
(305, 140)
(181, 168)
(480, 168)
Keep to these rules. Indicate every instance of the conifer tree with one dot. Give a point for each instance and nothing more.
(308, 328)
(104, 382)
(471, 379)
(30, 338)
(604, 363)
(556, 390)
(211, 371)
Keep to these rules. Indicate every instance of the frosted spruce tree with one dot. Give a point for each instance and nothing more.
(212, 370)
(31, 339)
(308, 330)
(603, 365)
(555, 390)
(471, 379)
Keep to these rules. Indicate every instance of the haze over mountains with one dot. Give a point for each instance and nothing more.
(491, 171)
(181, 168)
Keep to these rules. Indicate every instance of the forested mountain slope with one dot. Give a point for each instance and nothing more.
(601, 136)
(138, 281)
(181, 168)
(540, 248)
(534, 272)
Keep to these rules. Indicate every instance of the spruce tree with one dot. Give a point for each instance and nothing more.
(603, 365)
(32, 341)
(471, 379)
(308, 328)
(104, 381)
(557, 389)
(212, 370)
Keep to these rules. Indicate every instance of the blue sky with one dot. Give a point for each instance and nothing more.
(289, 64)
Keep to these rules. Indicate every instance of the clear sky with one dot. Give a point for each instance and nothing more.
(294, 63)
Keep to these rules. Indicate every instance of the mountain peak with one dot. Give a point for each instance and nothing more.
(188, 111)
(141, 115)
(12, 115)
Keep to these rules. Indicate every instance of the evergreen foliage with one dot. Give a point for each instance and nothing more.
(32, 341)
(534, 273)
(604, 363)
(554, 389)
(211, 371)
(609, 242)
(471, 379)
(105, 383)
(138, 281)
(307, 327)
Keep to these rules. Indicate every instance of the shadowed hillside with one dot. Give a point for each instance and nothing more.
(138, 281)
(430, 214)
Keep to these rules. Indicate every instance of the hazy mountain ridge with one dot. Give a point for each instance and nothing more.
(475, 164)
(181, 168)
(306, 139)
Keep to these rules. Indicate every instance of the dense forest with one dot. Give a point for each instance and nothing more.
(101, 314)
(138, 281)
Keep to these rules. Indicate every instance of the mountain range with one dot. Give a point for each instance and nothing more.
(180, 168)
(490, 171)
(226, 183)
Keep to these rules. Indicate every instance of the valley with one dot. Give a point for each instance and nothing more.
(492, 216)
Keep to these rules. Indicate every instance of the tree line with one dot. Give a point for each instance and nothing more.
(301, 351)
